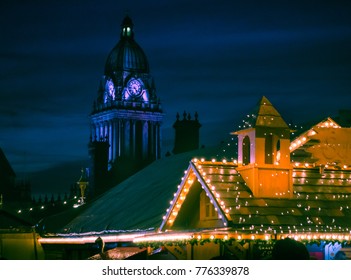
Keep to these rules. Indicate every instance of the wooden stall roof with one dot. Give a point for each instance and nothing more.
(319, 203)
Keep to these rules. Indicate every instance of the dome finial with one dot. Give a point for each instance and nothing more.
(127, 27)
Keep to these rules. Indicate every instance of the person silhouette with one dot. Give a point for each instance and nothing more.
(289, 249)
(340, 255)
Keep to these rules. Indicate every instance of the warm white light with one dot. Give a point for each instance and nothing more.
(161, 237)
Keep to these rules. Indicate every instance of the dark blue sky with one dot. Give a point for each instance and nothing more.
(214, 57)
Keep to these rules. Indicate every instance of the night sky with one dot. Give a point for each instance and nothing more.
(217, 58)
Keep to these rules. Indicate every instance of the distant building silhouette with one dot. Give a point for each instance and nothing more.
(11, 189)
(187, 133)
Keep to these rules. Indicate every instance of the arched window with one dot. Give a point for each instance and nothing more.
(246, 150)
(277, 151)
(269, 149)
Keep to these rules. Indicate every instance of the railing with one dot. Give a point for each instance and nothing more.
(148, 106)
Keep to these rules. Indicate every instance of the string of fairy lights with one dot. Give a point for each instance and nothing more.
(310, 229)
(240, 224)
(74, 202)
(297, 197)
(313, 227)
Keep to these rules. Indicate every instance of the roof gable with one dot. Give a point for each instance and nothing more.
(324, 144)
(192, 175)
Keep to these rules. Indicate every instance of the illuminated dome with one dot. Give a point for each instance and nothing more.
(127, 55)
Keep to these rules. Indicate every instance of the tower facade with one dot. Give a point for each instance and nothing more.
(126, 115)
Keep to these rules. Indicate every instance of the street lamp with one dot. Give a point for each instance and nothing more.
(82, 183)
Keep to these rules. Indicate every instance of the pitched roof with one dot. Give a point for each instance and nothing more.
(11, 222)
(320, 202)
(138, 203)
(264, 115)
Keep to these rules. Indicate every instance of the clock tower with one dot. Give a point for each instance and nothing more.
(126, 116)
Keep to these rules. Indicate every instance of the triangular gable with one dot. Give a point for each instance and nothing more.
(326, 144)
(263, 115)
(309, 134)
(268, 116)
(192, 175)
